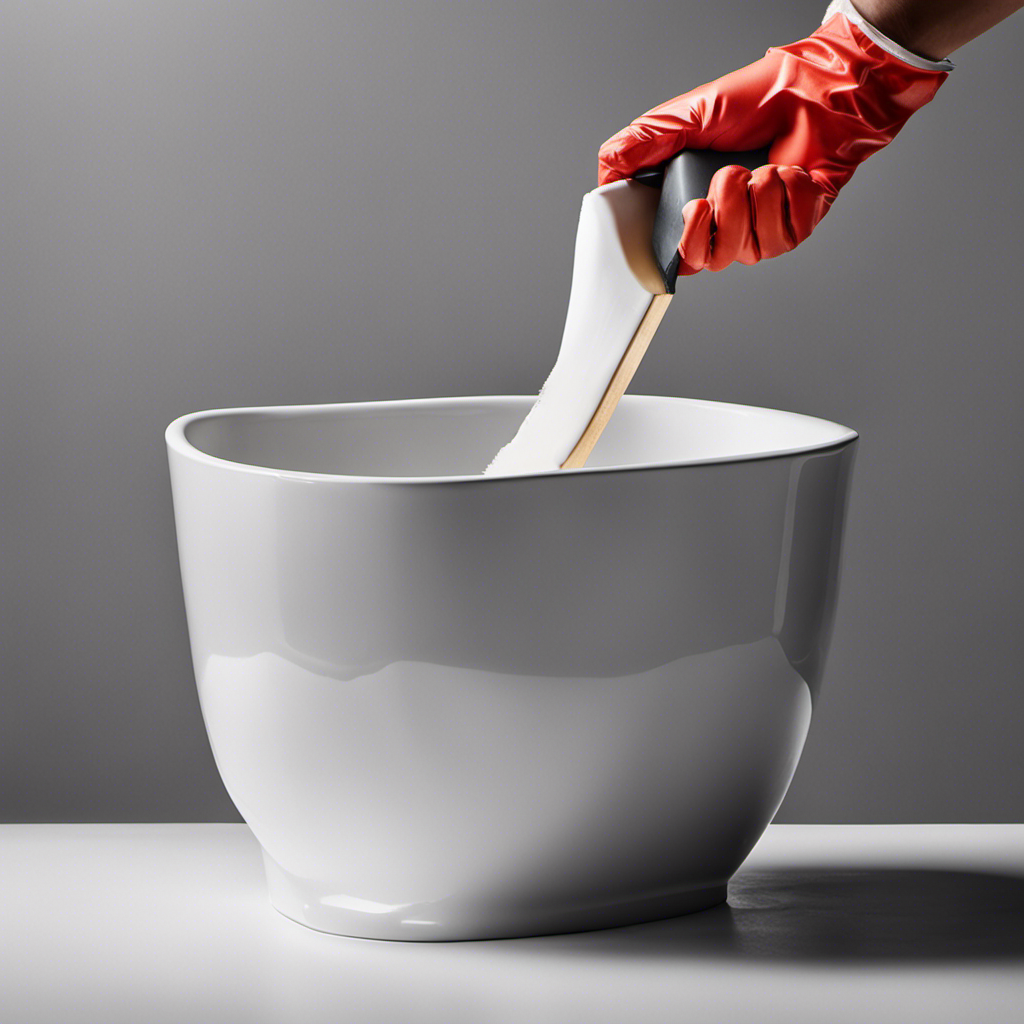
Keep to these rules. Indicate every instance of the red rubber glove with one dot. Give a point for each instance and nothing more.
(823, 105)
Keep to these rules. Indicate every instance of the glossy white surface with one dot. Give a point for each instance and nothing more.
(452, 438)
(845, 924)
(482, 707)
(614, 276)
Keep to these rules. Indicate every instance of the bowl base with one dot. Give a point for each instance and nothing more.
(319, 906)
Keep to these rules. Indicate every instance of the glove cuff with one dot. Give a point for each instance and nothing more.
(852, 15)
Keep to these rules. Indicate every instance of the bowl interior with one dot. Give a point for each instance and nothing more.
(451, 437)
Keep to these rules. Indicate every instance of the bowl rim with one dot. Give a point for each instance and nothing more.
(177, 441)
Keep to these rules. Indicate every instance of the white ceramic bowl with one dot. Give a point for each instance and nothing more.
(456, 707)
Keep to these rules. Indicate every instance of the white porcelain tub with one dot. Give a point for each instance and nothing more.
(456, 707)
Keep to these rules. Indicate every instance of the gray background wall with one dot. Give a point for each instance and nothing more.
(275, 202)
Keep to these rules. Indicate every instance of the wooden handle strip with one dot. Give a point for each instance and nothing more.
(620, 381)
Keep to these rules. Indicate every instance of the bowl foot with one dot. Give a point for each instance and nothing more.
(320, 906)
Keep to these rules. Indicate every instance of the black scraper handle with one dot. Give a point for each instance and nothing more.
(685, 177)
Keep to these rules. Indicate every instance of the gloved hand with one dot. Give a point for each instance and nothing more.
(823, 105)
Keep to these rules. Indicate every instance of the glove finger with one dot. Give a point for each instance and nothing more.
(615, 157)
(805, 202)
(768, 202)
(695, 244)
(638, 145)
(733, 238)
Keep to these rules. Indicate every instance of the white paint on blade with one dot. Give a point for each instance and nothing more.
(614, 277)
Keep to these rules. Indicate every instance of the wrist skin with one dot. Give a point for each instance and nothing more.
(935, 28)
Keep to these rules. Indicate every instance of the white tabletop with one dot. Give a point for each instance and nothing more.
(149, 923)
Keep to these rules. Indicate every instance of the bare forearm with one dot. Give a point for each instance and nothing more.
(935, 28)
